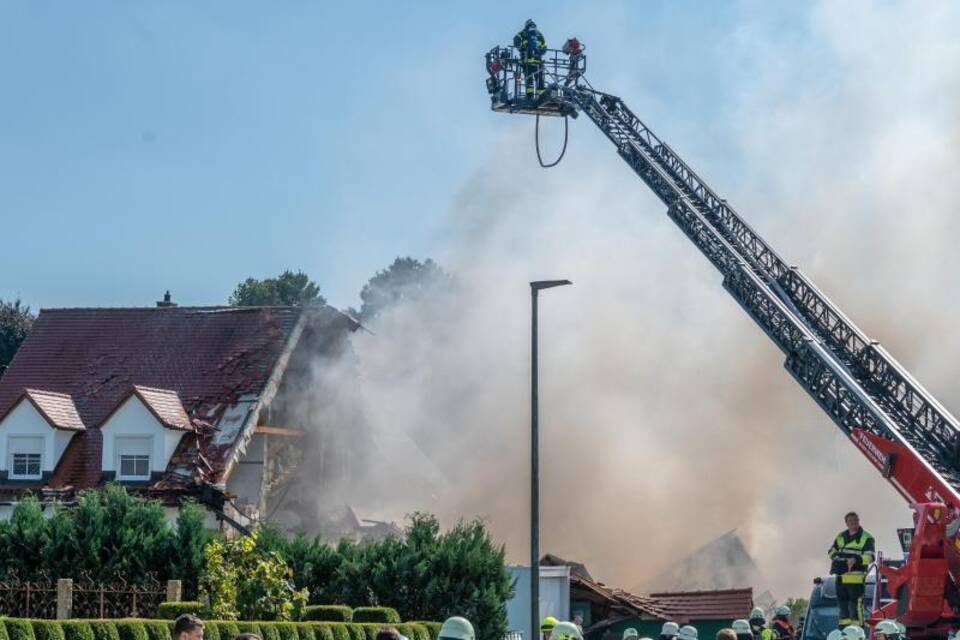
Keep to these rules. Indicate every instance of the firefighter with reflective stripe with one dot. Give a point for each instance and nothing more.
(531, 45)
(851, 555)
(781, 627)
(758, 625)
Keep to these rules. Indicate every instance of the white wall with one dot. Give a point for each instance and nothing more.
(244, 481)
(25, 420)
(133, 419)
(554, 598)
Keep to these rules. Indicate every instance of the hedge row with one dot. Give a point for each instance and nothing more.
(135, 629)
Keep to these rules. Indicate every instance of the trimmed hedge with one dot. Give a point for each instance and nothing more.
(226, 629)
(328, 613)
(356, 631)
(173, 610)
(268, 630)
(158, 630)
(19, 629)
(307, 632)
(77, 630)
(210, 632)
(321, 630)
(47, 630)
(433, 628)
(248, 627)
(3, 630)
(131, 629)
(288, 631)
(103, 630)
(383, 615)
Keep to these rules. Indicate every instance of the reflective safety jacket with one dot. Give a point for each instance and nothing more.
(782, 629)
(760, 632)
(531, 44)
(859, 547)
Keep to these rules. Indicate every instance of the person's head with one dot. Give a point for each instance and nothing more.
(742, 629)
(630, 634)
(388, 633)
(687, 632)
(188, 627)
(757, 616)
(782, 612)
(854, 632)
(457, 628)
(888, 630)
(852, 520)
(726, 634)
(247, 636)
(530, 24)
(566, 631)
(546, 627)
(669, 630)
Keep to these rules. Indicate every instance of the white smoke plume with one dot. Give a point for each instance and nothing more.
(667, 418)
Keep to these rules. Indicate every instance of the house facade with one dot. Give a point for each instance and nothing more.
(171, 402)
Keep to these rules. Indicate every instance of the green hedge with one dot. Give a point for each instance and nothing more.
(328, 613)
(131, 629)
(249, 627)
(288, 631)
(47, 630)
(226, 629)
(77, 630)
(173, 610)
(384, 615)
(307, 632)
(19, 629)
(433, 628)
(321, 630)
(158, 630)
(103, 630)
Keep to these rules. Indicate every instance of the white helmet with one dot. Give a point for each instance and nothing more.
(687, 632)
(854, 632)
(566, 631)
(888, 628)
(457, 628)
(630, 633)
(757, 614)
(782, 610)
(836, 634)
(741, 628)
(670, 629)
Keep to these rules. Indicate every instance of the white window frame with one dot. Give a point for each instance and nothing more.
(11, 455)
(119, 455)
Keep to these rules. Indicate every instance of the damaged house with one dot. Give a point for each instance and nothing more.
(174, 403)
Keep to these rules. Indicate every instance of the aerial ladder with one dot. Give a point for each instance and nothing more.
(912, 440)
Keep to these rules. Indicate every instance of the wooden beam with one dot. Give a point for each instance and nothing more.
(280, 431)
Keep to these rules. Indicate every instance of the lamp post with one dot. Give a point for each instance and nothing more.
(535, 288)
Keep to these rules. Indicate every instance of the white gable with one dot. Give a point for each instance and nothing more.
(135, 427)
(25, 422)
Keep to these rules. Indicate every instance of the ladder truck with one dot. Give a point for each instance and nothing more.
(912, 439)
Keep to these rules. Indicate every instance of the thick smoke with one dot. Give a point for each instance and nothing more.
(667, 418)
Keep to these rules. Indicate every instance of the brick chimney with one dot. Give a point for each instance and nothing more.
(166, 302)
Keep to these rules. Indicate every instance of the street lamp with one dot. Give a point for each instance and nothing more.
(535, 288)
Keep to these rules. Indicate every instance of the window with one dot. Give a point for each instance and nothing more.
(133, 458)
(25, 458)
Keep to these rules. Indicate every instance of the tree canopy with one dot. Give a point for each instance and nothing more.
(289, 289)
(405, 279)
(15, 323)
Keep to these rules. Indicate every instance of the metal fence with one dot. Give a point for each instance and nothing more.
(82, 598)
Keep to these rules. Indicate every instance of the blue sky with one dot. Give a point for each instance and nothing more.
(187, 145)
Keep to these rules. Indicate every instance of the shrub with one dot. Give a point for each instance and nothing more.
(250, 627)
(210, 631)
(103, 630)
(328, 613)
(421, 632)
(384, 615)
(172, 610)
(356, 631)
(226, 629)
(340, 632)
(19, 629)
(77, 630)
(288, 631)
(47, 630)
(3, 630)
(131, 630)
(158, 630)
(433, 628)
(270, 631)
(321, 630)
(371, 630)
(307, 632)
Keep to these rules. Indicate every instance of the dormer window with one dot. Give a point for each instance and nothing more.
(133, 458)
(25, 458)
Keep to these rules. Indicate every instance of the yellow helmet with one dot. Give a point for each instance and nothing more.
(548, 623)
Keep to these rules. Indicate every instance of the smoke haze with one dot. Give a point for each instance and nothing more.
(667, 418)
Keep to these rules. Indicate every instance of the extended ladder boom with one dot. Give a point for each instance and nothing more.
(867, 393)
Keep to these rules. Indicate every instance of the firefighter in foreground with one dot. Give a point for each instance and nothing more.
(531, 45)
(781, 627)
(758, 625)
(457, 628)
(851, 554)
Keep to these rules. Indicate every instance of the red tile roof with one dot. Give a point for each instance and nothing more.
(725, 604)
(164, 404)
(206, 357)
(56, 408)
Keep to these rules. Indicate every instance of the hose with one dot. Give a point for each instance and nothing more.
(566, 131)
